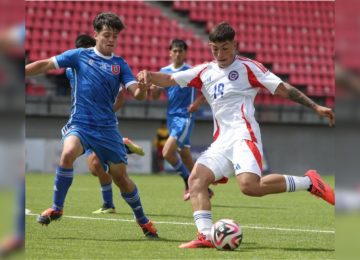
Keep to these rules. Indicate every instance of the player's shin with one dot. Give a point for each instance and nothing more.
(133, 199)
(63, 180)
(107, 195)
(183, 171)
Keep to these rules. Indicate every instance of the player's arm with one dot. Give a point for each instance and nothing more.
(156, 78)
(138, 90)
(39, 67)
(155, 92)
(287, 91)
(194, 106)
(119, 101)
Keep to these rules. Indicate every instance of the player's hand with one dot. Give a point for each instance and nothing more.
(144, 76)
(326, 112)
(142, 86)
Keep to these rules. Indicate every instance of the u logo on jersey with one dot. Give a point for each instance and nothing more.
(115, 69)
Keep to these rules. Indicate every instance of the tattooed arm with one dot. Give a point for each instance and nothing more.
(287, 91)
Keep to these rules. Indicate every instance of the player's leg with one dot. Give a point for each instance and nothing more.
(64, 176)
(200, 179)
(248, 169)
(160, 158)
(105, 181)
(210, 167)
(16, 241)
(130, 194)
(132, 147)
(252, 185)
(170, 154)
(186, 157)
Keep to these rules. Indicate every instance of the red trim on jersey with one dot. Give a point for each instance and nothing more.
(196, 82)
(252, 78)
(255, 152)
(217, 132)
(258, 64)
(248, 125)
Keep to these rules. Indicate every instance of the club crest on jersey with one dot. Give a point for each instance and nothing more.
(115, 69)
(233, 75)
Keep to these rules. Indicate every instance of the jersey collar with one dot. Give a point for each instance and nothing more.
(101, 55)
(177, 69)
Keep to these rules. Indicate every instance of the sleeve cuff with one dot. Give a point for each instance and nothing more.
(55, 62)
(130, 83)
(177, 79)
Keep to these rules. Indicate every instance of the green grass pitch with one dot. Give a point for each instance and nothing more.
(284, 226)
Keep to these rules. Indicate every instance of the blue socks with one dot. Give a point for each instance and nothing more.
(107, 195)
(133, 199)
(63, 180)
(184, 173)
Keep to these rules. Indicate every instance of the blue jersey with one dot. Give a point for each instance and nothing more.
(70, 75)
(95, 82)
(179, 98)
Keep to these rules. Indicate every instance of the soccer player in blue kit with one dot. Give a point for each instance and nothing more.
(180, 120)
(93, 123)
(105, 180)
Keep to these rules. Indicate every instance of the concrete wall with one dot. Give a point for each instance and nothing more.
(290, 149)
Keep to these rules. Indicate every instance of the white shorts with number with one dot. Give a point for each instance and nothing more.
(242, 156)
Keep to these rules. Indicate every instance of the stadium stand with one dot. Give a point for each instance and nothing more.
(294, 39)
(148, 30)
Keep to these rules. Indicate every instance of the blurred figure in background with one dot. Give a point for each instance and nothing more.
(180, 120)
(11, 136)
(162, 134)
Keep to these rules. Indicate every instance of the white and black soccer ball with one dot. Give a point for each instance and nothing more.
(226, 234)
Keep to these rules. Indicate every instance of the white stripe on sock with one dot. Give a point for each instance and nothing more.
(296, 183)
(203, 222)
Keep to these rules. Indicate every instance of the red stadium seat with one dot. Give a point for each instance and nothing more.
(295, 38)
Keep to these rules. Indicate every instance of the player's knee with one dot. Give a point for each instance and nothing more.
(166, 153)
(95, 167)
(121, 177)
(196, 182)
(67, 158)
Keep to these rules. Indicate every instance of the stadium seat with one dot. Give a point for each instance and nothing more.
(295, 38)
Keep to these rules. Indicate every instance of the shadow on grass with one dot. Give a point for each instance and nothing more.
(309, 249)
(140, 240)
(245, 207)
(245, 248)
(155, 215)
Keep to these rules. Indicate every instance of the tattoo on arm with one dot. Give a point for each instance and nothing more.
(299, 97)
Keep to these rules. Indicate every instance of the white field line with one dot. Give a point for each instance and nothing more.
(191, 224)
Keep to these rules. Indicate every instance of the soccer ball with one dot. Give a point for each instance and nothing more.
(226, 234)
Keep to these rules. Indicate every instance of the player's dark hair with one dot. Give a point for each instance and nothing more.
(222, 32)
(177, 43)
(107, 19)
(84, 41)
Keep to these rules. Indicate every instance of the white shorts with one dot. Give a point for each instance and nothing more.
(242, 156)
